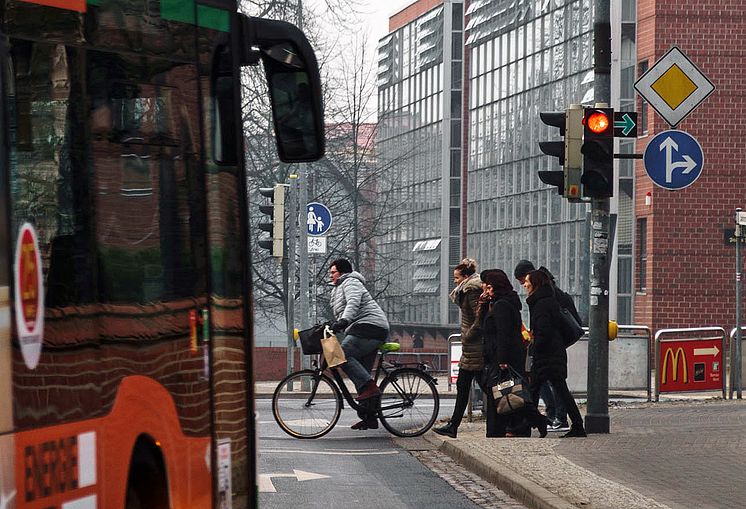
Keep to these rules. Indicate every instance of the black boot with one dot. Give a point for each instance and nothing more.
(448, 430)
(542, 427)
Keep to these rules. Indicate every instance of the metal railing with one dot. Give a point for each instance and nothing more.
(629, 361)
(734, 384)
(686, 337)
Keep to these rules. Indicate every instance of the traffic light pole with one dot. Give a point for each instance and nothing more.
(292, 226)
(597, 415)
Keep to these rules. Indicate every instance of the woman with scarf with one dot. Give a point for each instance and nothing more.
(503, 349)
(465, 295)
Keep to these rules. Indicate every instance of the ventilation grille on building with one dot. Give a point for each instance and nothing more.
(488, 18)
(426, 266)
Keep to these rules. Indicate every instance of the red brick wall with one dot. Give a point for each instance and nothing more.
(411, 13)
(271, 363)
(690, 271)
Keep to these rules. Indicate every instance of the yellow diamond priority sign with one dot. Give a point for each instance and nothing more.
(674, 86)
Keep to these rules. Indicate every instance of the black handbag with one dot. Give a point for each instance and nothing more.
(512, 393)
(572, 329)
(310, 339)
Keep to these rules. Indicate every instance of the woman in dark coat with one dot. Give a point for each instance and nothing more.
(465, 295)
(503, 348)
(548, 347)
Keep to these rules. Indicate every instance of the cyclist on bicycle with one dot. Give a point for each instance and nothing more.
(366, 328)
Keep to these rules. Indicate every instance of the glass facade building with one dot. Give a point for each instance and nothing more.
(527, 56)
(485, 200)
(419, 139)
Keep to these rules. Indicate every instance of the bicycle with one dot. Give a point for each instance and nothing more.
(308, 403)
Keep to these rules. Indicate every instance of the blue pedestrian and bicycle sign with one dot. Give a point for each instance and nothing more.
(674, 159)
(318, 219)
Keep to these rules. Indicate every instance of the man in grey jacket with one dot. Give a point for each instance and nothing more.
(366, 328)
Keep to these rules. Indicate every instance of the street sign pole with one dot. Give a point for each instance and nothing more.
(597, 415)
(737, 364)
(303, 247)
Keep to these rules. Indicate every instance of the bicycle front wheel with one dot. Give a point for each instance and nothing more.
(409, 402)
(306, 404)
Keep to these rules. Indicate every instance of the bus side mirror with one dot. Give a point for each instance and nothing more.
(294, 86)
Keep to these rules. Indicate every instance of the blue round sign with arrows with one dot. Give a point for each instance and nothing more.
(674, 159)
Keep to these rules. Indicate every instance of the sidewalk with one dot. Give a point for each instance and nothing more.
(686, 453)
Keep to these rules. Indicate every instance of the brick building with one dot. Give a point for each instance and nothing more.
(684, 269)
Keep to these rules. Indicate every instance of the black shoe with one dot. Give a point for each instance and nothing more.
(446, 431)
(575, 432)
(366, 424)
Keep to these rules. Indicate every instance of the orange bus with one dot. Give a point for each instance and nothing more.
(125, 312)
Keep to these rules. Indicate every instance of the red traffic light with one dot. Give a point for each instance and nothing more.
(597, 122)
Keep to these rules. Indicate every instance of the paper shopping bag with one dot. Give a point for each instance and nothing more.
(333, 352)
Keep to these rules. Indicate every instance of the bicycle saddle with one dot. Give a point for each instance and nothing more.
(389, 347)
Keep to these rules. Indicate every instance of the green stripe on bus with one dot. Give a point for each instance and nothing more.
(183, 11)
(211, 17)
(178, 10)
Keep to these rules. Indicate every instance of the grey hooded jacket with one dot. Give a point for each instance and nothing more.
(350, 300)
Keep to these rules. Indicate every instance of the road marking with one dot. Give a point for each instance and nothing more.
(707, 351)
(265, 480)
(339, 452)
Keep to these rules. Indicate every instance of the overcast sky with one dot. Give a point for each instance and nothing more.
(380, 11)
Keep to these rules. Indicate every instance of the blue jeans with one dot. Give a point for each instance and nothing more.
(555, 409)
(361, 354)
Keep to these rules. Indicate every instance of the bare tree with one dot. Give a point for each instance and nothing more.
(361, 190)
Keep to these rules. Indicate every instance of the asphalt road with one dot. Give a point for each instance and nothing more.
(346, 468)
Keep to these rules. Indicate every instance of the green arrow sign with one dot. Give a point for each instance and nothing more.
(625, 124)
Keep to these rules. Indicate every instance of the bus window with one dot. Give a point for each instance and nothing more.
(225, 141)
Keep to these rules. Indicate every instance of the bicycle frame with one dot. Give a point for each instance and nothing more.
(376, 376)
(337, 377)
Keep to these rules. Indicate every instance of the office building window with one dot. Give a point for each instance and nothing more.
(642, 253)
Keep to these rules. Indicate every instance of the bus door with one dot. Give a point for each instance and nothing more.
(7, 449)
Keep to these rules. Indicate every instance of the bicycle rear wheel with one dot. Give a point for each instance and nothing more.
(409, 402)
(306, 404)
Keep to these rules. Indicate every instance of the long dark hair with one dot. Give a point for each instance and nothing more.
(499, 282)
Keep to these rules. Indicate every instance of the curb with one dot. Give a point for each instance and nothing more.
(523, 490)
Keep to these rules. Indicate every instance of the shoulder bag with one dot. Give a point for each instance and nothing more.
(512, 393)
(572, 329)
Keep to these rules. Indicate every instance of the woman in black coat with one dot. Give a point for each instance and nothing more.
(503, 348)
(548, 347)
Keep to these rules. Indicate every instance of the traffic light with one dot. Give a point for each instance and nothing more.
(567, 150)
(276, 224)
(598, 153)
